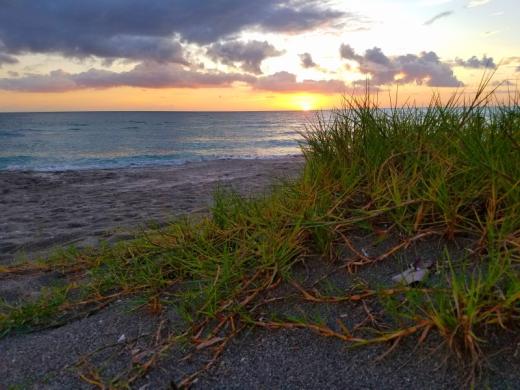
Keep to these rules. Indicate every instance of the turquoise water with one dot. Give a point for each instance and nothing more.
(90, 140)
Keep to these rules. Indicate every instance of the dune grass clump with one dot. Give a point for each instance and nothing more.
(447, 171)
(450, 171)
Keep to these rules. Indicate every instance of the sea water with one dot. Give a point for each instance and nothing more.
(92, 140)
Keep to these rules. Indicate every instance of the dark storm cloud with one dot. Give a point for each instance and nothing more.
(145, 75)
(307, 61)
(145, 29)
(286, 82)
(476, 63)
(249, 55)
(441, 15)
(425, 68)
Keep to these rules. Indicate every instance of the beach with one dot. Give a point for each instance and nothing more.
(259, 195)
(42, 210)
(372, 270)
(46, 210)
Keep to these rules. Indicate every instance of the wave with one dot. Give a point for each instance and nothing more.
(10, 134)
(76, 141)
(27, 163)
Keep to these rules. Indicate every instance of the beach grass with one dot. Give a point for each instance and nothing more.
(447, 171)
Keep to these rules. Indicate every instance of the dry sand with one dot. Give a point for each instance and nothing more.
(43, 209)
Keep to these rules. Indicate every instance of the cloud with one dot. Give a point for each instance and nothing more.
(7, 59)
(248, 54)
(376, 56)
(490, 33)
(286, 82)
(504, 83)
(510, 60)
(145, 75)
(138, 48)
(146, 30)
(348, 53)
(307, 61)
(441, 15)
(476, 63)
(513, 62)
(423, 69)
(477, 3)
(431, 3)
(157, 75)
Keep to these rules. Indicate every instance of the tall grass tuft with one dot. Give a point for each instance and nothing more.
(448, 169)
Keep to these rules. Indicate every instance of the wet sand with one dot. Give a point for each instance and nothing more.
(41, 210)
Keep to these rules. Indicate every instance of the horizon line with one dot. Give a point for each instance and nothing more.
(180, 111)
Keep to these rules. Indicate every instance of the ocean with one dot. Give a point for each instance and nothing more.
(96, 140)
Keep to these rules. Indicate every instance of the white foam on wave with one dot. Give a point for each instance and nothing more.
(148, 163)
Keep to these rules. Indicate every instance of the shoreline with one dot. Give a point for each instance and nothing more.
(152, 165)
(42, 210)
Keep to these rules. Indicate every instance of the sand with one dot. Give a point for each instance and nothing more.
(41, 210)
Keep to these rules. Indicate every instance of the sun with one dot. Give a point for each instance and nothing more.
(304, 102)
(306, 105)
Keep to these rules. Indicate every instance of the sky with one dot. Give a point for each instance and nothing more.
(76, 55)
